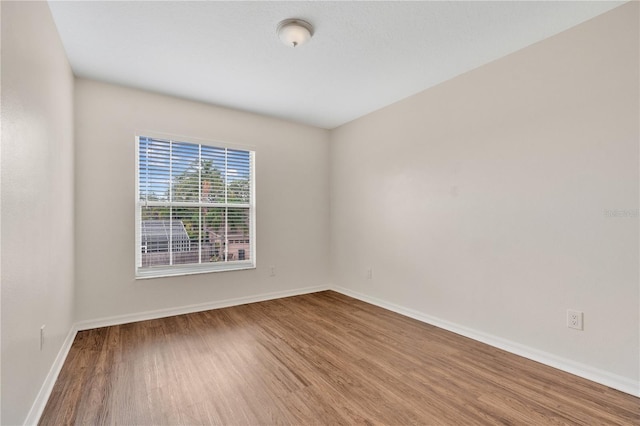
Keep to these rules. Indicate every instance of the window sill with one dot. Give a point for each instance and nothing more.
(143, 274)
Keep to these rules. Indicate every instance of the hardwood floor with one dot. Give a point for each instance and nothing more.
(321, 358)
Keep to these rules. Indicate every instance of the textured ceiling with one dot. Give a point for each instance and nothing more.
(363, 56)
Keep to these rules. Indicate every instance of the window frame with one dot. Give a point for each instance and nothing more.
(194, 268)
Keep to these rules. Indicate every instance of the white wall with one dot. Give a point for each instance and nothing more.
(292, 197)
(37, 202)
(483, 201)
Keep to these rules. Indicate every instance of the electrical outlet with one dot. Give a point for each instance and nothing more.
(370, 273)
(272, 271)
(42, 336)
(575, 319)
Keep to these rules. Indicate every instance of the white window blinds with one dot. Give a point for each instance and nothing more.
(195, 209)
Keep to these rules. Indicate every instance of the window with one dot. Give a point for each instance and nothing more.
(194, 208)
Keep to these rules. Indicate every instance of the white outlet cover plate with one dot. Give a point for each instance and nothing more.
(575, 319)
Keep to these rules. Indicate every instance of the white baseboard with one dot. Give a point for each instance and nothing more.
(45, 391)
(162, 313)
(603, 377)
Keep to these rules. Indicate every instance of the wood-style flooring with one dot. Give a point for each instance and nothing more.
(322, 358)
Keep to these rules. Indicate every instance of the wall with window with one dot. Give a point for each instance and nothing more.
(498, 199)
(37, 202)
(292, 215)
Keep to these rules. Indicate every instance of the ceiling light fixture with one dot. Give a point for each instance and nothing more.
(294, 32)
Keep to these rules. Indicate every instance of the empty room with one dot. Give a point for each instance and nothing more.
(314, 212)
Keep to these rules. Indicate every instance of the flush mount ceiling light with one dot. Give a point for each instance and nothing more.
(294, 32)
